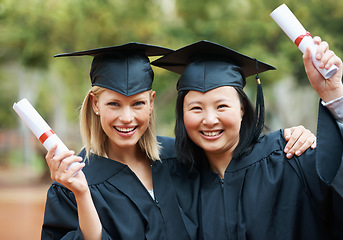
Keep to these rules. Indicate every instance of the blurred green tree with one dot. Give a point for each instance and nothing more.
(32, 32)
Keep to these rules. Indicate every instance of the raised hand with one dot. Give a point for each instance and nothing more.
(328, 89)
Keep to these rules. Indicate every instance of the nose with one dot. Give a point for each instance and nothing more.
(126, 115)
(210, 119)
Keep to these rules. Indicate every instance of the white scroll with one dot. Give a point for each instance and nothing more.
(38, 126)
(297, 33)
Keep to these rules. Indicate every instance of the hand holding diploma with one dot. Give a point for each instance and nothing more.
(297, 33)
(332, 88)
(40, 128)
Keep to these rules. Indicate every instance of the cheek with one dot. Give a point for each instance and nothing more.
(191, 121)
(232, 120)
(107, 117)
(143, 115)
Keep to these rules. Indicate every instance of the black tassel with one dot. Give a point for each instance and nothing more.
(259, 110)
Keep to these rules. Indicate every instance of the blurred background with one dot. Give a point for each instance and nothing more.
(32, 32)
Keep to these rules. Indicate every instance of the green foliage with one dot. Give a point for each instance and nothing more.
(33, 32)
(7, 98)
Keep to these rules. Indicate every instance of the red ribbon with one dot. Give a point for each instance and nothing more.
(300, 38)
(45, 136)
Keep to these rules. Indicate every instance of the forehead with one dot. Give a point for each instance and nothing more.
(110, 94)
(224, 93)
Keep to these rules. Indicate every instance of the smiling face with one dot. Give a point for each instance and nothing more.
(124, 119)
(213, 119)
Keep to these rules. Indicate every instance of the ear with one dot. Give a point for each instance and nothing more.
(242, 109)
(95, 103)
(152, 100)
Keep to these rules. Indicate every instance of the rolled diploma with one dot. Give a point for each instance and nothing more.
(293, 29)
(39, 127)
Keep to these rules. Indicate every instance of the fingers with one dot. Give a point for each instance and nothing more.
(307, 58)
(314, 145)
(322, 48)
(292, 135)
(57, 160)
(317, 40)
(323, 54)
(64, 165)
(50, 154)
(299, 141)
(326, 57)
(287, 133)
(67, 172)
(306, 140)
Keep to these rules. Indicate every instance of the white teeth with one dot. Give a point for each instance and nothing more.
(211, 134)
(120, 129)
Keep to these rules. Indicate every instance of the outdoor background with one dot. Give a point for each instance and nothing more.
(32, 32)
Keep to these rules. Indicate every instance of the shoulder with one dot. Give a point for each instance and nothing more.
(273, 140)
(167, 147)
(99, 169)
(267, 145)
(169, 158)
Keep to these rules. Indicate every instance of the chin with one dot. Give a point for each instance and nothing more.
(207, 148)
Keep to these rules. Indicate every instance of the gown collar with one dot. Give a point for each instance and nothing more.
(266, 145)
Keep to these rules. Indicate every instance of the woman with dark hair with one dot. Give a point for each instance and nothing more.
(193, 155)
(249, 188)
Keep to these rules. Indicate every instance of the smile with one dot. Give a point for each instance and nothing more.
(125, 130)
(212, 133)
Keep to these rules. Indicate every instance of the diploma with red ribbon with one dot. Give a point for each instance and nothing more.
(297, 33)
(38, 126)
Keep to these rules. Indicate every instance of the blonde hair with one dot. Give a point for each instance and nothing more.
(95, 139)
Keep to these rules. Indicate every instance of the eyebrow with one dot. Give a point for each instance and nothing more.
(115, 99)
(217, 101)
(194, 102)
(223, 100)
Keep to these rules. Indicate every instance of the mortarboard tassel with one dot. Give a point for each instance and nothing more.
(259, 110)
(258, 119)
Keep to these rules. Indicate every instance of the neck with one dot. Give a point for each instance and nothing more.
(128, 155)
(136, 160)
(219, 162)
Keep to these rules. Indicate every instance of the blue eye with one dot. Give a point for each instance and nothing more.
(113, 104)
(139, 103)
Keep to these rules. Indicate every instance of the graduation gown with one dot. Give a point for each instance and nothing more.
(266, 196)
(125, 207)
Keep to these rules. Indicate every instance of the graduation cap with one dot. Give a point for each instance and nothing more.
(124, 68)
(205, 65)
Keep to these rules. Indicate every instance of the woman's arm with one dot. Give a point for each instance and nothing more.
(329, 152)
(89, 221)
(328, 89)
(74, 179)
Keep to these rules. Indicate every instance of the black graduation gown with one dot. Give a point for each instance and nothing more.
(125, 208)
(266, 196)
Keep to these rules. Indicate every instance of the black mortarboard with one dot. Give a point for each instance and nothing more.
(206, 65)
(124, 68)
